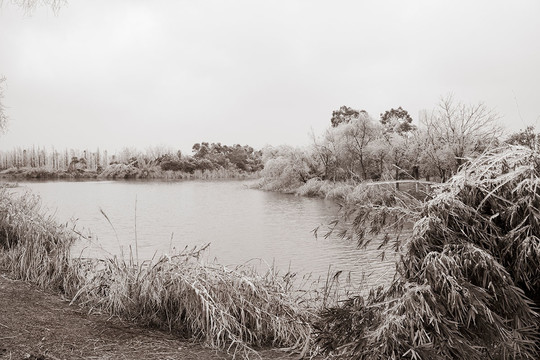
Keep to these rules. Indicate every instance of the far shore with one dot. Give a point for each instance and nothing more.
(123, 172)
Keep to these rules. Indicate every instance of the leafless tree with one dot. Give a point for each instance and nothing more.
(456, 131)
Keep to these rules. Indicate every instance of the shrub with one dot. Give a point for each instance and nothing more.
(121, 171)
(171, 165)
(312, 187)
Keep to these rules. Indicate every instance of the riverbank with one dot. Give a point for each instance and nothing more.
(123, 171)
(37, 324)
(341, 190)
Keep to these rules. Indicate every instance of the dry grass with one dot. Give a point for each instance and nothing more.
(234, 309)
(34, 247)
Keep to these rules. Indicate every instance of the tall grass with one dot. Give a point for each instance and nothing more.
(35, 248)
(236, 309)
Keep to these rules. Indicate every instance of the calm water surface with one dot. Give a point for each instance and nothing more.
(240, 224)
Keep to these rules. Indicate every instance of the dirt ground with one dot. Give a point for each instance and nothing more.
(37, 325)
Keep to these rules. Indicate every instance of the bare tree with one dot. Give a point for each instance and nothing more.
(158, 151)
(456, 131)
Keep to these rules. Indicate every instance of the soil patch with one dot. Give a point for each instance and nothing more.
(38, 325)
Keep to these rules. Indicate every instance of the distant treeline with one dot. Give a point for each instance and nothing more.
(157, 162)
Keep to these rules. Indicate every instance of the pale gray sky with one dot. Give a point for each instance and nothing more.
(141, 73)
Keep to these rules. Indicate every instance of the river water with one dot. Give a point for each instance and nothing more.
(240, 224)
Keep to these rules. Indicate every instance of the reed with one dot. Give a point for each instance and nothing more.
(235, 309)
(35, 248)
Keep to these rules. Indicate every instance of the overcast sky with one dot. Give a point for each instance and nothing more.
(143, 73)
